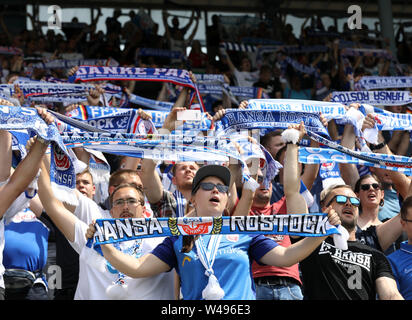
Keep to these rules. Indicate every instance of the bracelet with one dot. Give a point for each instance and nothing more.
(377, 146)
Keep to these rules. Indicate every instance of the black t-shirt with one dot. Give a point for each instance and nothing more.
(270, 87)
(368, 237)
(66, 257)
(330, 273)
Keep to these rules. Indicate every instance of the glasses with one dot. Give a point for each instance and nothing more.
(129, 201)
(367, 186)
(343, 199)
(208, 186)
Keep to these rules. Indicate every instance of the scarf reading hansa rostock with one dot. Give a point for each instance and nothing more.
(376, 98)
(119, 230)
(63, 163)
(176, 76)
(235, 119)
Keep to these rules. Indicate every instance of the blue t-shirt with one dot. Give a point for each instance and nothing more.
(232, 266)
(25, 242)
(391, 205)
(401, 263)
(304, 94)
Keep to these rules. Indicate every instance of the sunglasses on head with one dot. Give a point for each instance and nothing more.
(208, 186)
(367, 186)
(343, 199)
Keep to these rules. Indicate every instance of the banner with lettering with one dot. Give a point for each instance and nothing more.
(176, 76)
(376, 98)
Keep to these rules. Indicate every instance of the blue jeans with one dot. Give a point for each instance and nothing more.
(278, 292)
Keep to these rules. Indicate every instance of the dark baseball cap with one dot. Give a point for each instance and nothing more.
(211, 170)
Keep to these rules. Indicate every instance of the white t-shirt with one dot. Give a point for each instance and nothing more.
(87, 210)
(246, 78)
(93, 283)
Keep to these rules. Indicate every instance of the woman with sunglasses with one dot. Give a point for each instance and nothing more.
(370, 230)
(212, 266)
(368, 189)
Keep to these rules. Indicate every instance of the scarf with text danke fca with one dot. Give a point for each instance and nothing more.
(175, 76)
(63, 164)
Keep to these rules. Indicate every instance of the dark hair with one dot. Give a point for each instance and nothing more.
(264, 141)
(371, 175)
(128, 185)
(406, 204)
(326, 192)
(117, 177)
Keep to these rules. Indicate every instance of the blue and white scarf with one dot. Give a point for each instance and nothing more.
(67, 64)
(235, 119)
(233, 46)
(378, 98)
(119, 230)
(175, 76)
(113, 119)
(209, 78)
(327, 155)
(366, 52)
(145, 52)
(372, 83)
(381, 159)
(63, 162)
(299, 67)
(127, 120)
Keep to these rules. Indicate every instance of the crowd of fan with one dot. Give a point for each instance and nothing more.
(244, 69)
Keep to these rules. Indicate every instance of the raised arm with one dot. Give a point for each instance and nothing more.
(153, 186)
(291, 179)
(61, 217)
(25, 171)
(5, 155)
(349, 171)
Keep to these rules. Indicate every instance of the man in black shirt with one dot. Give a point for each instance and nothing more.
(329, 272)
(358, 273)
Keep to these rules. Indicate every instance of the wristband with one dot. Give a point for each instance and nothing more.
(290, 136)
(377, 146)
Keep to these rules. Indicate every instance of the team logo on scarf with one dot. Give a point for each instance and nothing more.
(194, 226)
(61, 160)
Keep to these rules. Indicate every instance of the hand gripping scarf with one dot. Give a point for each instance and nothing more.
(63, 163)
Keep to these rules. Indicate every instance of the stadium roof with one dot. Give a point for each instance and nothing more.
(301, 8)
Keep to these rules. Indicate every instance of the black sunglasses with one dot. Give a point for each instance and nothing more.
(208, 186)
(367, 186)
(342, 200)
